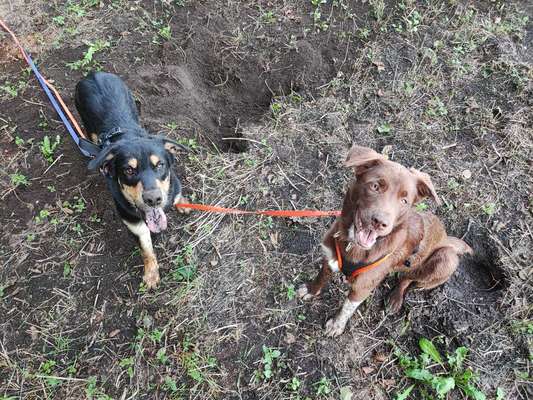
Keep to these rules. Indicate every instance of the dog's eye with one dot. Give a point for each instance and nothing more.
(375, 186)
(129, 171)
(404, 201)
(159, 165)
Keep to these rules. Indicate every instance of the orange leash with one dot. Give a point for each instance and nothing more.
(360, 270)
(50, 86)
(270, 213)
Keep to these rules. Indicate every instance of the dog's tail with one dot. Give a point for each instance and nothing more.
(459, 245)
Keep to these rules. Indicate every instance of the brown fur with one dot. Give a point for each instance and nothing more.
(163, 185)
(380, 200)
(132, 162)
(133, 194)
(154, 159)
(151, 268)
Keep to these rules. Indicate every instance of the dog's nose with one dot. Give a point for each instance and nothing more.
(378, 222)
(153, 198)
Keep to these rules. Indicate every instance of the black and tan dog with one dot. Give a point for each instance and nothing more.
(138, 167)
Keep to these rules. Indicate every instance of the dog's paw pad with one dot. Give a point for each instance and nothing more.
(151, 280)
(334, 328)
(303, 293)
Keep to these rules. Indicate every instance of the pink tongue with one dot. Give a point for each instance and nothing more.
(366, 238)
(156, 220)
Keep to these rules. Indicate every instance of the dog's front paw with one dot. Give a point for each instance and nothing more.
(151, 279)
(334, 327)
(303, 293)
(181, 199)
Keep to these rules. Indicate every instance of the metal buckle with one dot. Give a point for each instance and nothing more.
(107, 136)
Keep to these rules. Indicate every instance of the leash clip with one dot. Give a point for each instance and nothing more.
(105, 138)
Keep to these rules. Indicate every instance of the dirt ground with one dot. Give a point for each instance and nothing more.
(269, 95)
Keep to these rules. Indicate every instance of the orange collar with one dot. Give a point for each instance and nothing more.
(359, 269)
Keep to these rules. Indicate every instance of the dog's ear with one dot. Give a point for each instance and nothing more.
(362, 159)
(104, 161)
(424, 186)
(172, 146)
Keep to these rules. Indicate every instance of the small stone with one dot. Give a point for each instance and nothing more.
(290, 338)
(114, 333)
(467, 174)
(147, 321)
(368, 370)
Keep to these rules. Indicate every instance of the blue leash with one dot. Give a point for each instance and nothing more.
(86, 147)
(83, 149)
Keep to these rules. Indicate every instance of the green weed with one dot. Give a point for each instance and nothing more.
(384, 129)
(265, 226)
(294, 384)
(452, 373)
(270, 355)
(268, 17)
(319, 24)
(185, 270)
(93, 392)
(322, 387)
(67, 269)
(47, 368)
(194, 364)
(291, 292)
(48, 147)
(16, 88)
(87, 62)
(128, 364)
(165, 32)
(161, 356)
(18, 179)
(488, 208)
(436, 108)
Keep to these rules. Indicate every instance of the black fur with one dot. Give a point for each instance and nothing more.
(106, 105)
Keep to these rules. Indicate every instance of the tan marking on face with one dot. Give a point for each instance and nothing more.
(163, 185)
(109, 156)
(154, 159)
(94, 137)
(132, 162)
(133, 194)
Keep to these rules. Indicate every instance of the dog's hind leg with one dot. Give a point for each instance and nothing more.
(151, 267)
(436, 270)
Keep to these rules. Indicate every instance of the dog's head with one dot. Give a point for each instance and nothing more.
(382, 194)
(142, 170)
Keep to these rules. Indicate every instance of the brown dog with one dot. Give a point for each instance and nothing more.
(380, 232)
